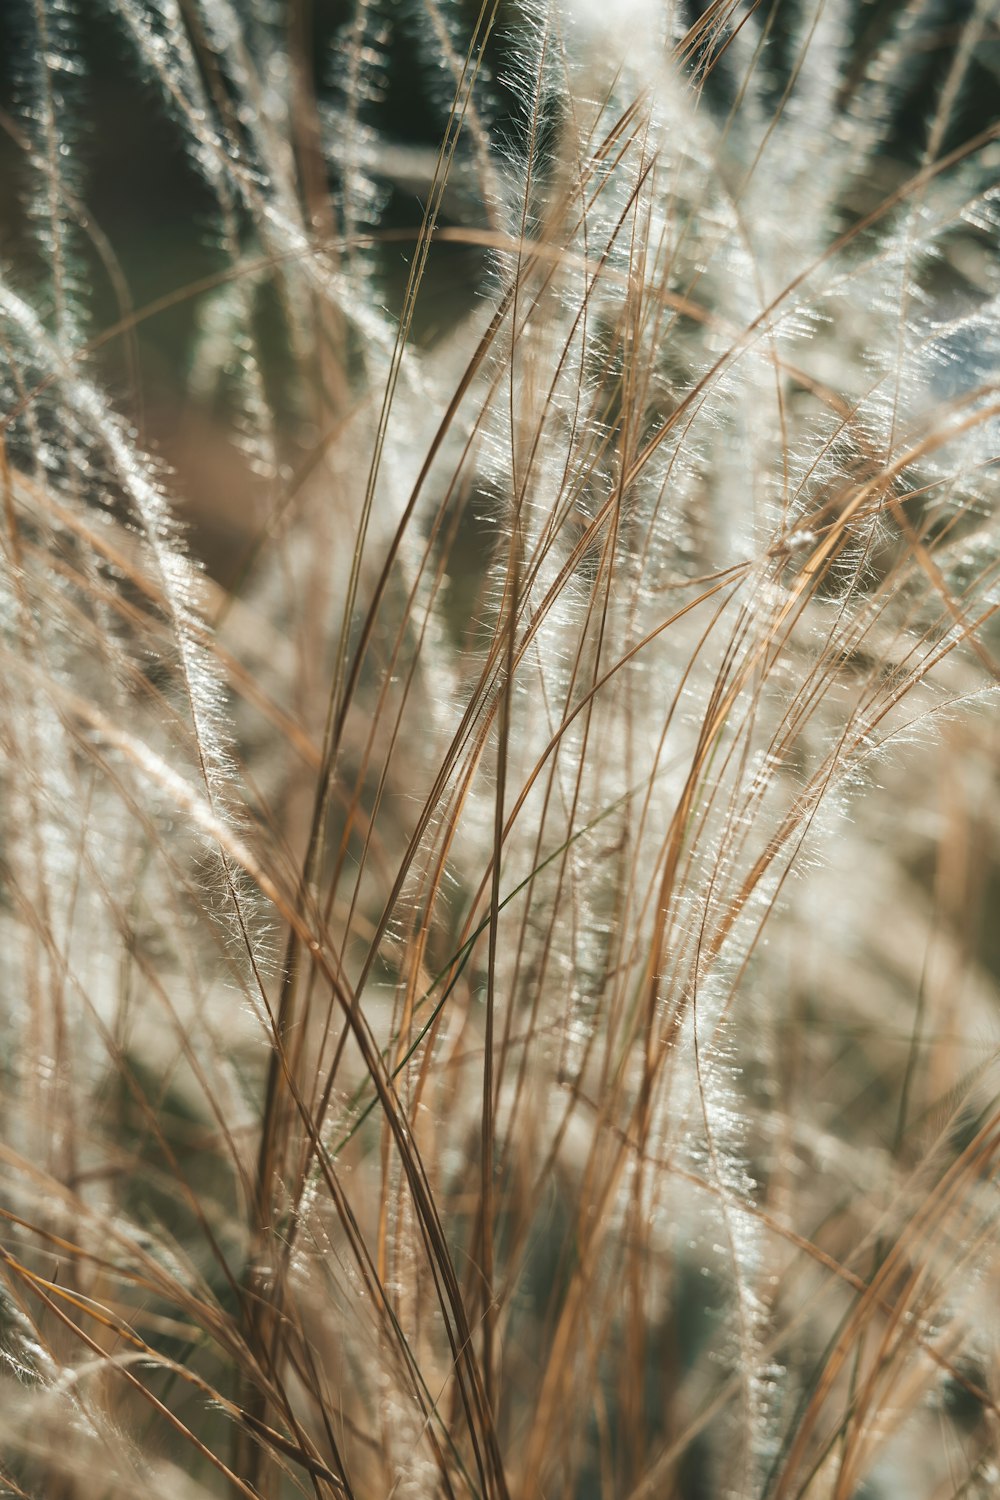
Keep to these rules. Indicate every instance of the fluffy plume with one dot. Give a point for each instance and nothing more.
(497, 997)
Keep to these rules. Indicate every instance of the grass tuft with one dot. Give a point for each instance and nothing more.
(498, 621)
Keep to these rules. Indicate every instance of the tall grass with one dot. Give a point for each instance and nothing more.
(499, 991)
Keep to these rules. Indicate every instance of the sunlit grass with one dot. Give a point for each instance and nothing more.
(500, 990)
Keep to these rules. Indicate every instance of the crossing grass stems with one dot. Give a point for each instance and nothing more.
(494, 1002)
